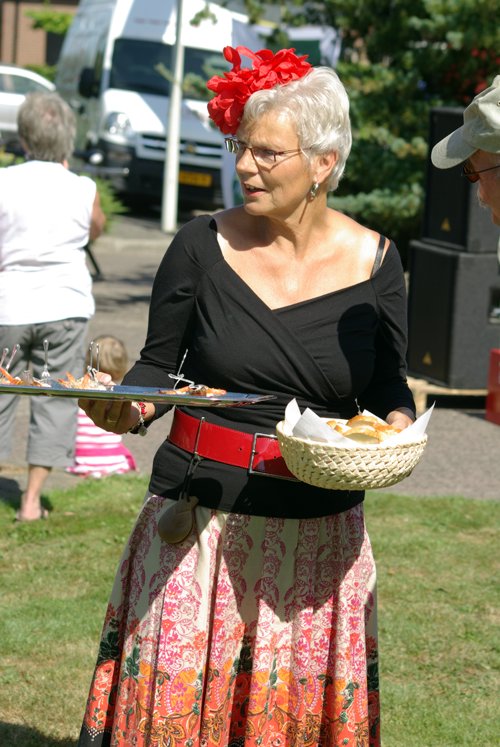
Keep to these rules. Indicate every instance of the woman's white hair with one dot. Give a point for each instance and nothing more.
(319, 106)
(47, 127)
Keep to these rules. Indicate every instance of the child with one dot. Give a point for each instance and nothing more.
(99, 453)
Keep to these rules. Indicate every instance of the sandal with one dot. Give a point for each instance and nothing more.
(44, 514)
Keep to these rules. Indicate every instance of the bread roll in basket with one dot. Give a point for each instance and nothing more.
(365, 463)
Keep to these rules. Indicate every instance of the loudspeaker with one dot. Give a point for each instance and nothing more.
(453, 217)
(453, 315)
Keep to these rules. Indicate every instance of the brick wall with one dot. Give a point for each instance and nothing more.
(19, 42)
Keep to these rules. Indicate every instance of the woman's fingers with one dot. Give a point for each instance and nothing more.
(110, 415)
(117, 417)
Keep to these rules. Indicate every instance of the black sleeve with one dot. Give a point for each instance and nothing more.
(388, 388)
(170, 312)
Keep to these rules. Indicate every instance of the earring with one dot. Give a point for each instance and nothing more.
(314, 190)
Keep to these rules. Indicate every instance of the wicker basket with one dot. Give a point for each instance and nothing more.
(337, 467)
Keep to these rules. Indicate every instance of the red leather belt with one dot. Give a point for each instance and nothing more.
(258, 453)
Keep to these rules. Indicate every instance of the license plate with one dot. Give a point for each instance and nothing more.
(194, 179)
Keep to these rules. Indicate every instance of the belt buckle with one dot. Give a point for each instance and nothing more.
(252, 471)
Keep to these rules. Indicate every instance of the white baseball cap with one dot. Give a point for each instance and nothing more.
(480, 130)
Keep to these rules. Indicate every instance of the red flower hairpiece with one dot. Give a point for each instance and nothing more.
(235, 88)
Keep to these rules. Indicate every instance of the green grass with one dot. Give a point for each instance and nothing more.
(438, 613)
(437, 562)
(55, 577)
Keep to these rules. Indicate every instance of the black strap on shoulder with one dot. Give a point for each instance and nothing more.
(379, 255)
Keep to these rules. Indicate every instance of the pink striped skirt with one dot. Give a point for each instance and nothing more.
(252, 631)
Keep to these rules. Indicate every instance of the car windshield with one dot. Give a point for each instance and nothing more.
(146, 67)
(14, 82)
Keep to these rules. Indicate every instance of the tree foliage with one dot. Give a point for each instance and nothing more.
(399, 59)
(51, 21)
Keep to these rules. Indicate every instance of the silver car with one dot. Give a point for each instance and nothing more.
(15, 83)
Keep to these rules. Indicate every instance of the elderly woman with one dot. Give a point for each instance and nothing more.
(254, 622)
(47, 216)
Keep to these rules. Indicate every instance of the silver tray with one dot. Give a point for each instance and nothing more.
(143, 394)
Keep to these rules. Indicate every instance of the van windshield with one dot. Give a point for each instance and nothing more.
(146, 67)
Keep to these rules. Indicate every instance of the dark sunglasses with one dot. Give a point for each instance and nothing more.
(473, 176)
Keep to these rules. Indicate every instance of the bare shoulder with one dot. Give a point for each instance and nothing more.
(235, 228)
(226, 219)
(358, 239)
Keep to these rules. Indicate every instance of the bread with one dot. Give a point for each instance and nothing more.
(369, 420)
(365, 433)
(364, 428)
(338, 426)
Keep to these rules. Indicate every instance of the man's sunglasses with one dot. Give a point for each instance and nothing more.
(473, 176)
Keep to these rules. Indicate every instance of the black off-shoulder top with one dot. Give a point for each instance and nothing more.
(336, 353)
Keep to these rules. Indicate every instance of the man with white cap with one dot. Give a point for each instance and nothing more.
(476, 144)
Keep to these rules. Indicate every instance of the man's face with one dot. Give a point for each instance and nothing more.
(488, 187)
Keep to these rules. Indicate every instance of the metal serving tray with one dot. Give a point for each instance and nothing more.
(144, 394)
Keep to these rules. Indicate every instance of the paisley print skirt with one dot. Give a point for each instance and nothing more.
(252, 631)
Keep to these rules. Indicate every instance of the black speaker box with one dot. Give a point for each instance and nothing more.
(453, 217)
(453, 315)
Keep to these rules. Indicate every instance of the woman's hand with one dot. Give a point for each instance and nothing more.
(401, 418)
(116, 416)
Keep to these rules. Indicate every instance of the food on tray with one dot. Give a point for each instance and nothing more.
(6, 378)
(197, 390)
(84, 382)
(364, 428)
(26, 379)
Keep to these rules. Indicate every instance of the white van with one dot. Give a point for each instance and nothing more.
(115, 69)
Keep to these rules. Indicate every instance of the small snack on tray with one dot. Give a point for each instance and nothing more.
(26, 380)
(364, 428)
(84, 382)
(197, 390)
(6, 378)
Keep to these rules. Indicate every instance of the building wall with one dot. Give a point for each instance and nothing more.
(19, 42)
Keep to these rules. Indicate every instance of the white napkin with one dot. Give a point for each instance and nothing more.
(310, 426)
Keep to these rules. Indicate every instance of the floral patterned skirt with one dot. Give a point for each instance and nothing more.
(252, 631)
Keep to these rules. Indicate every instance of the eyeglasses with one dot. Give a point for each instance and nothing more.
(473, 176)
(264, 156)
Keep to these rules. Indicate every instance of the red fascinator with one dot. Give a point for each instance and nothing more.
(235, 88)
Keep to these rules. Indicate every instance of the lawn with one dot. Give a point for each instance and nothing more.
(437, 562)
